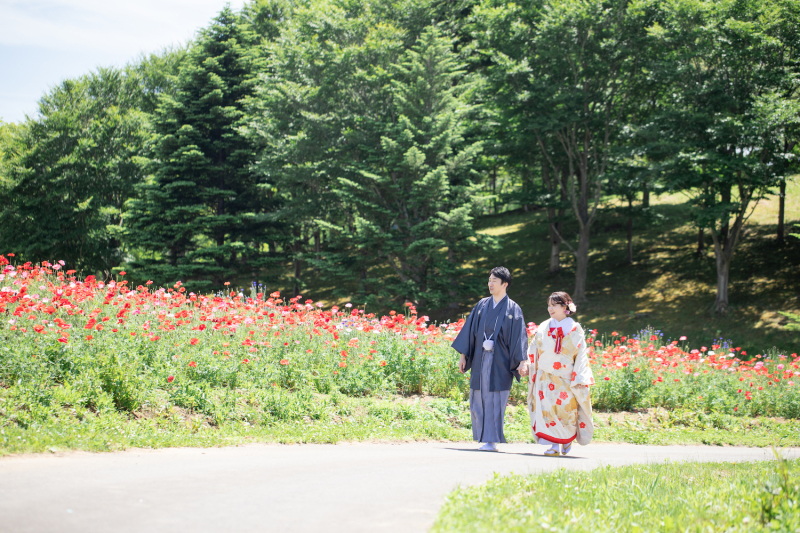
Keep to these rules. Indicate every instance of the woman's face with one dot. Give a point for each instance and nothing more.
(556, 311)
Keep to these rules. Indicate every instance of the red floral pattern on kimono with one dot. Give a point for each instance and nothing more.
(559, 401)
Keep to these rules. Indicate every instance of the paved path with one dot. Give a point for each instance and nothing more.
(266, 488)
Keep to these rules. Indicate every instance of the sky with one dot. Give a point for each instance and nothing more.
(43, 42)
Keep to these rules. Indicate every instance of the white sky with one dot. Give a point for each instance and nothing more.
(43, 42)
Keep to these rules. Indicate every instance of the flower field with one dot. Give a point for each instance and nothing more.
(75, 350)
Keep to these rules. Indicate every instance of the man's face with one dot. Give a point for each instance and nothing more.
(496, 286)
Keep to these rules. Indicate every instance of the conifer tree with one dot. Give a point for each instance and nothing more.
(200, 218)
(411, 192)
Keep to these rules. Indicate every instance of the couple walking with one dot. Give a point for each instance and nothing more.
(493, 344)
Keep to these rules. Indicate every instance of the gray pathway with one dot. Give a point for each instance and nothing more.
(304, 488)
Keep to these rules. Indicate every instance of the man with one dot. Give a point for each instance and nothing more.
(493, 343)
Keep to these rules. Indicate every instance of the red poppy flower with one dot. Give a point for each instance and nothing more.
(193, 364)
(383, 363)
(170, 379)
(284, 361)
(342, 364)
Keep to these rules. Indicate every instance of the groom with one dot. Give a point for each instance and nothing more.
(493, 343)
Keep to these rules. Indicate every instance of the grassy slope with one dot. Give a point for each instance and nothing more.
(668, 286)
(389, 418)
(667, 497)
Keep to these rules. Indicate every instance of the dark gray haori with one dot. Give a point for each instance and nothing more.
(492, 372)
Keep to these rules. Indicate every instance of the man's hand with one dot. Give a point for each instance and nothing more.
(462, 363)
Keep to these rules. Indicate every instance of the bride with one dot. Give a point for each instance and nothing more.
(558, 394)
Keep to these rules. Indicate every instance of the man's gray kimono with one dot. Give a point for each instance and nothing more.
(492, 371)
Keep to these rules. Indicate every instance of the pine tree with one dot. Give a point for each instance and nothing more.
(200, 219)
(411, 193)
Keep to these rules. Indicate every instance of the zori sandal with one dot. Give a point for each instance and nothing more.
(565, 448)
(551, 452)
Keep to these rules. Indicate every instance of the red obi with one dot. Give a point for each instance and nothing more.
(559, 335)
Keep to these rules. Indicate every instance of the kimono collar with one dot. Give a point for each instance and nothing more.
(559, 330)
(494, 305)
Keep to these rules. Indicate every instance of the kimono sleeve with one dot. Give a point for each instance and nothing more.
(518, 342)
(582, 379)
(463, 342)
(582, 370)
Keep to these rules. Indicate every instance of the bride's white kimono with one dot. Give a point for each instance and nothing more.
(558, 393)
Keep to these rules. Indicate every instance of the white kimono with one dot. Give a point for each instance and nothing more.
(559, 402)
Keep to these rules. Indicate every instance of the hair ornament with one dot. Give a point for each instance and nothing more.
(571, 307)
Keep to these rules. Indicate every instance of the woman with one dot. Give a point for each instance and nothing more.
(558, 393)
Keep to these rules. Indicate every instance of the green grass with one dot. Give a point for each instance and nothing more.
(671, 497)
(340, 418)
(104, 368)
(667, 285)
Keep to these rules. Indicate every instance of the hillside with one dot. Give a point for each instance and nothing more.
(667, 286)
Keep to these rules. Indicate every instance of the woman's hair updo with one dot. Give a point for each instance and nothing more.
(562, 298)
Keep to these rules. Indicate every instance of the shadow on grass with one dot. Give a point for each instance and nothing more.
(667, 286)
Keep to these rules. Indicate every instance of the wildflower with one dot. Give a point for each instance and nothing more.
(245, 361)
(342, 364)
(383, 363)
(284, 362)
(170, 379)
(88, 337)
(605, 378)
(683, 338)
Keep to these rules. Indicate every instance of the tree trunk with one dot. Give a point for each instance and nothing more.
(296, 248)
(781, 211)
(582, 265)
(701, 245)
(645, 195)
(723, 276)
(555, 242)
(630, 230)
(297, 270)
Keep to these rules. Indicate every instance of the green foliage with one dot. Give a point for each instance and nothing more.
(414, 193)
(201, 217)
(726, 123)
(758, 496)
(72, 169)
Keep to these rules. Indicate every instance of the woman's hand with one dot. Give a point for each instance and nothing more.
(523, 368)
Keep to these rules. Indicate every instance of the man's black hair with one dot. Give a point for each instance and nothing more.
(502, 274)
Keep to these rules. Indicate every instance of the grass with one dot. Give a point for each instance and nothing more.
(671, 497)
(95, 366)
(393, 418)
(667, 284)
